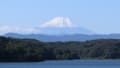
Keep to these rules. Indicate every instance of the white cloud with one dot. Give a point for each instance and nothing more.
(58, 22)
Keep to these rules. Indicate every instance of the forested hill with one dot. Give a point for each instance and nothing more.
(25, 50)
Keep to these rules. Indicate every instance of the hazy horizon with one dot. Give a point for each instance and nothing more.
(31, 16)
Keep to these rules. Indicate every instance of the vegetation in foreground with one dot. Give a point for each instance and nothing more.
(25, 50)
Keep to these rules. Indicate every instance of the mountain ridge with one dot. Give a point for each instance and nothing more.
(70, 37)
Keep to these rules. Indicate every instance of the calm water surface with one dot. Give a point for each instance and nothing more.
(65, 64)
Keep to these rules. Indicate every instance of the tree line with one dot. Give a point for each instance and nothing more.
(25, 50)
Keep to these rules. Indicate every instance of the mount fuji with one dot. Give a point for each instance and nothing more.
(61, 26)
(61, 29)
(55, 26)
(57, 29)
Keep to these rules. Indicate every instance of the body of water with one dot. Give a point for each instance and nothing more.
(65, 64)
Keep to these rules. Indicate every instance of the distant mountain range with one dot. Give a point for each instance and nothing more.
(53, 38)
(60, 29)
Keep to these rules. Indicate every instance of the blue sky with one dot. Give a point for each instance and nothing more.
(100, 16)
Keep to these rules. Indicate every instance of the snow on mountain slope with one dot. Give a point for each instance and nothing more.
(62, 25)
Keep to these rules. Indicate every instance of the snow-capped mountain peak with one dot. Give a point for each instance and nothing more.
(58, 22)
(61, 26)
